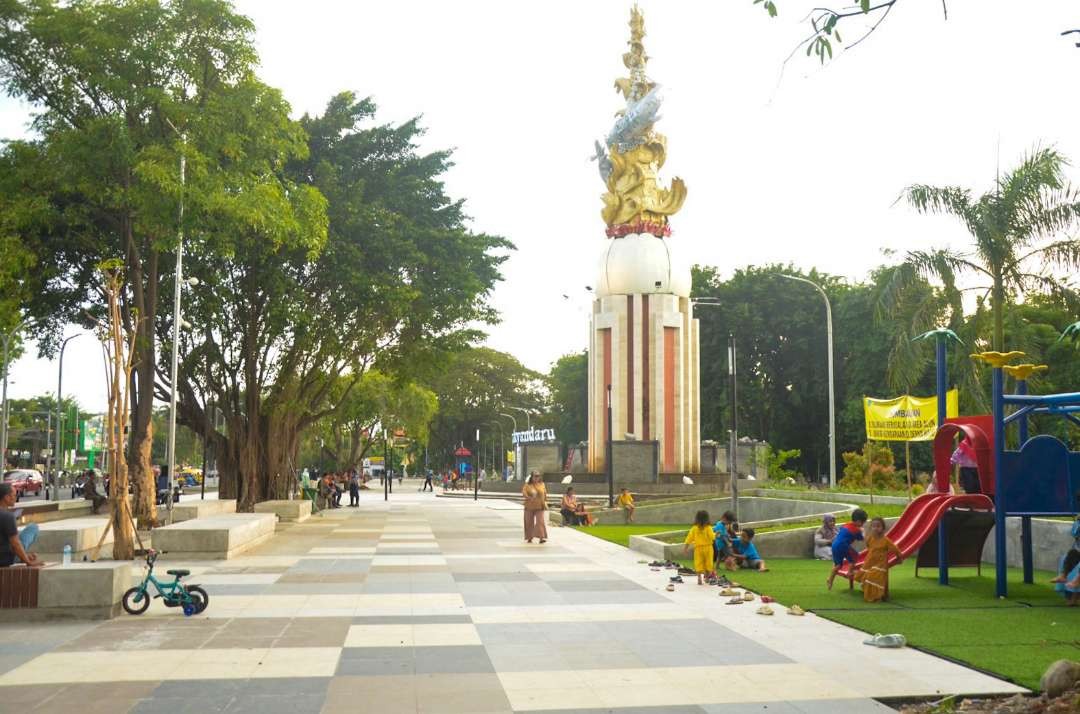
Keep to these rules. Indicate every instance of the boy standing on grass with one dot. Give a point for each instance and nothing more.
(744, 552)
(700, 538)
(843, 547)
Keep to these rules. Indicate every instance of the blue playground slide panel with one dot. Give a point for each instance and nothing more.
(1043, 477)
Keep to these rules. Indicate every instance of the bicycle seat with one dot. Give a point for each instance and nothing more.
(178, 573)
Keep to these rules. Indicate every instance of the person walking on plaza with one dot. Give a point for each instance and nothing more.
(535, 494)
(428, 486)
(14, 544)
(354, 489)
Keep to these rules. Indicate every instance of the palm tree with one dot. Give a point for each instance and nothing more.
(1015, 228)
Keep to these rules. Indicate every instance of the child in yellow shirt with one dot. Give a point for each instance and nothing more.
(701, 538)
(626, 502)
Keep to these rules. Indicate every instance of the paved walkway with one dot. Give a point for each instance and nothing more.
(436, 605)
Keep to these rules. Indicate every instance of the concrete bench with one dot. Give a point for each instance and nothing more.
(190, 510)
(286, 511)
(215, 537)
(80, 591)
(54, 511)
(82, 534)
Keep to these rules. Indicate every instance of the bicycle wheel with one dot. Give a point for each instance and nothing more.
(199, 597)
(136, 601)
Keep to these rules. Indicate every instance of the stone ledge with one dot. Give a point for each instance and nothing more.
(82, 534)
(80, 591)
(216, 537)
(190, 510)
(295, 511)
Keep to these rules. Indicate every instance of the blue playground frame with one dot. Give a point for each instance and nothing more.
(1041, 478)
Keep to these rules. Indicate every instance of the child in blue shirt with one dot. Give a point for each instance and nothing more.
(744, 552)
(843, 546)
(725, 533)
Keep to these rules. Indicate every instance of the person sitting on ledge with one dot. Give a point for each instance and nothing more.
(573, 511)
(13, 543)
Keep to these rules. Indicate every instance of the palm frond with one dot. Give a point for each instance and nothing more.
(1044, 215)
(951, 200)
(1039, 170)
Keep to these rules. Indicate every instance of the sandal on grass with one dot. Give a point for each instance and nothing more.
(891, 641)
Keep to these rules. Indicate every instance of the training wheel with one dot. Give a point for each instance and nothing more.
(188, 610)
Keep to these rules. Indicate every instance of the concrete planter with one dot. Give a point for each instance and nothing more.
(296, 511)
(82, 534)
(80, 591)
(198, 509)
(215, 538)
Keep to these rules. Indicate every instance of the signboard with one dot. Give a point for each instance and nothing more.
(906, 418)
(533, 435)
(93, 433)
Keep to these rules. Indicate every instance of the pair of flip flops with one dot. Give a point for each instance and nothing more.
(796, 610)
(887, 641)
(728, 592)
(764, 610)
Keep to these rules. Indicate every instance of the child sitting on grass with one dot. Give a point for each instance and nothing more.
(1068, 580)
(725, 533)
(745, 554)
(700, 538)
(843, 546)
(874, 573)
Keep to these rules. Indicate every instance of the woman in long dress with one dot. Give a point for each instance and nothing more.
(535, 494)
(874, 573)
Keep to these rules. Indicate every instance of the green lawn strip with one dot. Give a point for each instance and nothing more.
(1017, 637)
(620, 534)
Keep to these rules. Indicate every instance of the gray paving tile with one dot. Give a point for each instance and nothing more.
(448, 660)
(677, 709)
(188, 704)
(612, 597)
(520, 599)
(841, 706)
(230, 589)
(610, 585)
(277, 704)
(510, 577)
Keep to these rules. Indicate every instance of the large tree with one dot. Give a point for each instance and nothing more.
(286, 318)
(568, 394)
(117, 86)
(1018, 234)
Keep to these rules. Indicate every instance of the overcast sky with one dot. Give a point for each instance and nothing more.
(803, 167)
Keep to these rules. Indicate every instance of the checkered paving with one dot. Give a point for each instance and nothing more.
(436, 605)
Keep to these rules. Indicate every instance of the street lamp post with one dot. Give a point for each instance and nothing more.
(528, 425)
(57, 463)
(174, 387)
(832, 382)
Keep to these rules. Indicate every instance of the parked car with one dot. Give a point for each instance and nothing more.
(24, 481)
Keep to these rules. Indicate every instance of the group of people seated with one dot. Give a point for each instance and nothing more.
(574, 512)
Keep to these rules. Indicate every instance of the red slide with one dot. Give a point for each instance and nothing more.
(921, 518)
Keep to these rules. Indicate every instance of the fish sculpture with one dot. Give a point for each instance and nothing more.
(603, 162)
(631, 129)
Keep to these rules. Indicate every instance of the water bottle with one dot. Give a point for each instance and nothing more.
(67, 554)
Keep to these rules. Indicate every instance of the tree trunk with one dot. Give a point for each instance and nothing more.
(144, 292)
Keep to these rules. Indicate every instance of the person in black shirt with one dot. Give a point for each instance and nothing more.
(13, 544)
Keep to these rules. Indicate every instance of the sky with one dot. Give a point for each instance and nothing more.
(784, 163)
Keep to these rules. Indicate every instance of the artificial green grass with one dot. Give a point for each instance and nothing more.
(620, 534)
(1016, 638)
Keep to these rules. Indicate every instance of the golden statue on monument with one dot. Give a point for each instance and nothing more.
(634, 153)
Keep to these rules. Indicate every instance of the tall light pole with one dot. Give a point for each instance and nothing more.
(174, 387)
(60, 419)
(832, 382)
(528, 417)
(4, 410)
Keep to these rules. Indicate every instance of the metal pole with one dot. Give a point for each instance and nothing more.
(206, 438)
(179, 279)
(476, 470)
(832, 379)
(386, 468)
(733, 440)
(57, 458)
(514, 422)
(1025, 521)
(609, 456)
(1000, 507)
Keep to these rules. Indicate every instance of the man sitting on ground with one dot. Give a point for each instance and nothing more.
(13, 544)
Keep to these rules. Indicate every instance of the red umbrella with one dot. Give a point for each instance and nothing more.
(462, 451)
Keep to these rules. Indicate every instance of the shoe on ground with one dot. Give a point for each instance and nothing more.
(735, 601)
(748, 596)
(723, 582)
(888, 641)
(728, 592)
(766, 599)
(685, 571)
(764, 610)
(655, 570)
(676, 578)
(671, 587)
(734, 584)
(796, 610)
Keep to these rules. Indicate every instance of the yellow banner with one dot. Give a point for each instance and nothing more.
(906, 418)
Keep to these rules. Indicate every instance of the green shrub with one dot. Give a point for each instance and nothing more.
(774, 462)
(873, 467)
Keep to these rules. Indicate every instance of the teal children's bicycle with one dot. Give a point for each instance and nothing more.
(191, 598)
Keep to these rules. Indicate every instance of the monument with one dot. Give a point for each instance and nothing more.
(643, 343)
